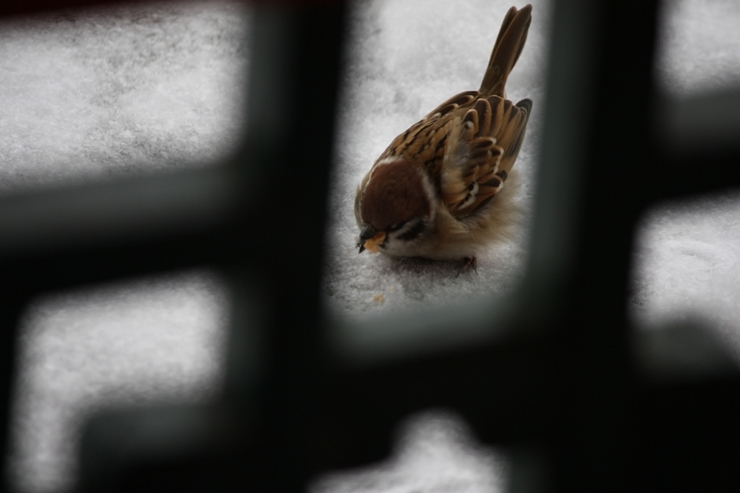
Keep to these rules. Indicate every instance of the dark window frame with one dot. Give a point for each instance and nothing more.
(574, 379)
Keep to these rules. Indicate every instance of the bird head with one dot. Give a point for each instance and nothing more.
(396, 206)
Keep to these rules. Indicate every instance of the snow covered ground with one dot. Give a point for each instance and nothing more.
(140, 89)
(688, 252)
(399, 71)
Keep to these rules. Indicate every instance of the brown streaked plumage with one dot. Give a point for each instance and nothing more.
(433, 191)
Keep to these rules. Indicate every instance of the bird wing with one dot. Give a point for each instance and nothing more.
(468, 144)
(482, 145)
(425, 141)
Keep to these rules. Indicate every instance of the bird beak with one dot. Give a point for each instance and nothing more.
(366, 233)
(370, 238)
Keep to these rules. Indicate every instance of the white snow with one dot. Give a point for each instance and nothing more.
(397, 72)
(687, 260)
(130, 343)
(87, 96)
(699, 46)
(688, 266)
(434, 452)
(139, 89)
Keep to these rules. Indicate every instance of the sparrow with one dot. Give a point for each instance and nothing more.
(432, 193)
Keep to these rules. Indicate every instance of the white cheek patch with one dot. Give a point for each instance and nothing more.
(431, 194)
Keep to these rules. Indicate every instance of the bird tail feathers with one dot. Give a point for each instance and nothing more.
(509, 45)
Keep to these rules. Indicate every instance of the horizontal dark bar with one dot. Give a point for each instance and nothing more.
(95, 214)
(26, 7)
(698, 144)
(703, 122)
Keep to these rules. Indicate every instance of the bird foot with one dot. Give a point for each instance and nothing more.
(467, 264)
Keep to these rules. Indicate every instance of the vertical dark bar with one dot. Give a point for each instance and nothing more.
(292, 105)
(596, 145)
(11, 306)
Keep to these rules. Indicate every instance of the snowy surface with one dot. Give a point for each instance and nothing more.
(132, 343)
(397, 72)
(688, 265)
(94, 96)
(699, 46)
(141, 89)
(131, 91)
(436, 453)
(687, 260)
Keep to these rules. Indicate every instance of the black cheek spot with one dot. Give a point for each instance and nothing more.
(413, 233)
